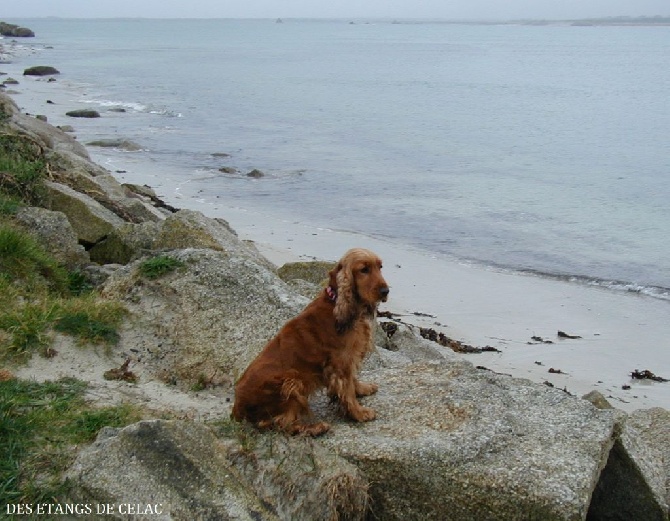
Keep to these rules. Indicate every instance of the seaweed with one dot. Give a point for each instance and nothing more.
(454, 345)
(647, 375)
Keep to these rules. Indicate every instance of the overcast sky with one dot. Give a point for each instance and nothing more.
(448, 9)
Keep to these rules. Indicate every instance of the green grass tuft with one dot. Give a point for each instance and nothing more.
(243, 432)
(40, 424)
(159, 266)
(22, 168)
(87, 328)
(78, 283)
(26, 326)
(22, 258)
(25, 329)
(9, 205)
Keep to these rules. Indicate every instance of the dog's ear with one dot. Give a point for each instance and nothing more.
(345, 306)
(332, 276)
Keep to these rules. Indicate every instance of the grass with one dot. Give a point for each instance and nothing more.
(9, 205)
(25, 330)
(243, 432)
(78, 284)
(27, 325)
(22, 168)
(159, 266)
(22, 258)
(40, 425)
(87, 328)
(38, 296)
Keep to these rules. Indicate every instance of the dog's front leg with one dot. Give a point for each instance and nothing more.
(343, 386)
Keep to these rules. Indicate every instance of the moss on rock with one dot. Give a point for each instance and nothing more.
(315, 272)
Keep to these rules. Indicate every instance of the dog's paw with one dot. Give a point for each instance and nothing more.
(315, 429)
(366, 389)
(363, 414)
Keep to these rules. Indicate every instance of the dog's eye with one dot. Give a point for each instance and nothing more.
(365, 269)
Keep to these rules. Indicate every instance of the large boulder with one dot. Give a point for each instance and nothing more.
(41, 70)
(190, 474)
(640, 459)
(83, 113)
(455, 443)
(192, 229)
(56, 234)
(163, 470)
(182, 229)
(120, 143)
(126, 243)
(90, 220)
(208, 318)
(651, 427)
(84, 176)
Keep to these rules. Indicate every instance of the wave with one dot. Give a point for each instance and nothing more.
(133, 106)
(137, 107)
(648, 290)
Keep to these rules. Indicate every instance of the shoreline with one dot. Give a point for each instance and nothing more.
(620, 332)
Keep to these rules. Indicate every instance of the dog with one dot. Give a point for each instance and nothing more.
(322, 347)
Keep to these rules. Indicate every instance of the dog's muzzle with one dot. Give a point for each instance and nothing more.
(384, 294)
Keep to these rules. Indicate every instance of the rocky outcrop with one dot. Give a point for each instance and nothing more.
(55, 233)
(126, 243)
(451, 442)
(52, 139)
(652, 429)
(15, 31)
(83, 113)
(641, 460)
(91, 221)
(121, 144)
(180, 230)
(171, 470)
(41, 70)
(210, 319)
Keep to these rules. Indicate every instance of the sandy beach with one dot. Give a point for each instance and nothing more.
(619, 332)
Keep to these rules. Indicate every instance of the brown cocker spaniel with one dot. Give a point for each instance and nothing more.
(322, 347)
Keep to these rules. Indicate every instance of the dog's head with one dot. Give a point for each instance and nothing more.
(359, 284)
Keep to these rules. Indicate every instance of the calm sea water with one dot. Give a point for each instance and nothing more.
(540, 149)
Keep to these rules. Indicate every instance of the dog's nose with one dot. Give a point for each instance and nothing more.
(384, 291)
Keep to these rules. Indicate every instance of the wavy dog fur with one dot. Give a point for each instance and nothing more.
(321, 347)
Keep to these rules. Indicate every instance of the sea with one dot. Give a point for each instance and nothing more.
(540, 149)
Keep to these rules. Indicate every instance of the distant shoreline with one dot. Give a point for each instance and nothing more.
(618, 21)
(615, 21)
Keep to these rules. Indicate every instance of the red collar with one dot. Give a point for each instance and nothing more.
(332, 293)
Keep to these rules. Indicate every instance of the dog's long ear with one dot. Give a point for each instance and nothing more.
(332, 276)
(345, 306)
